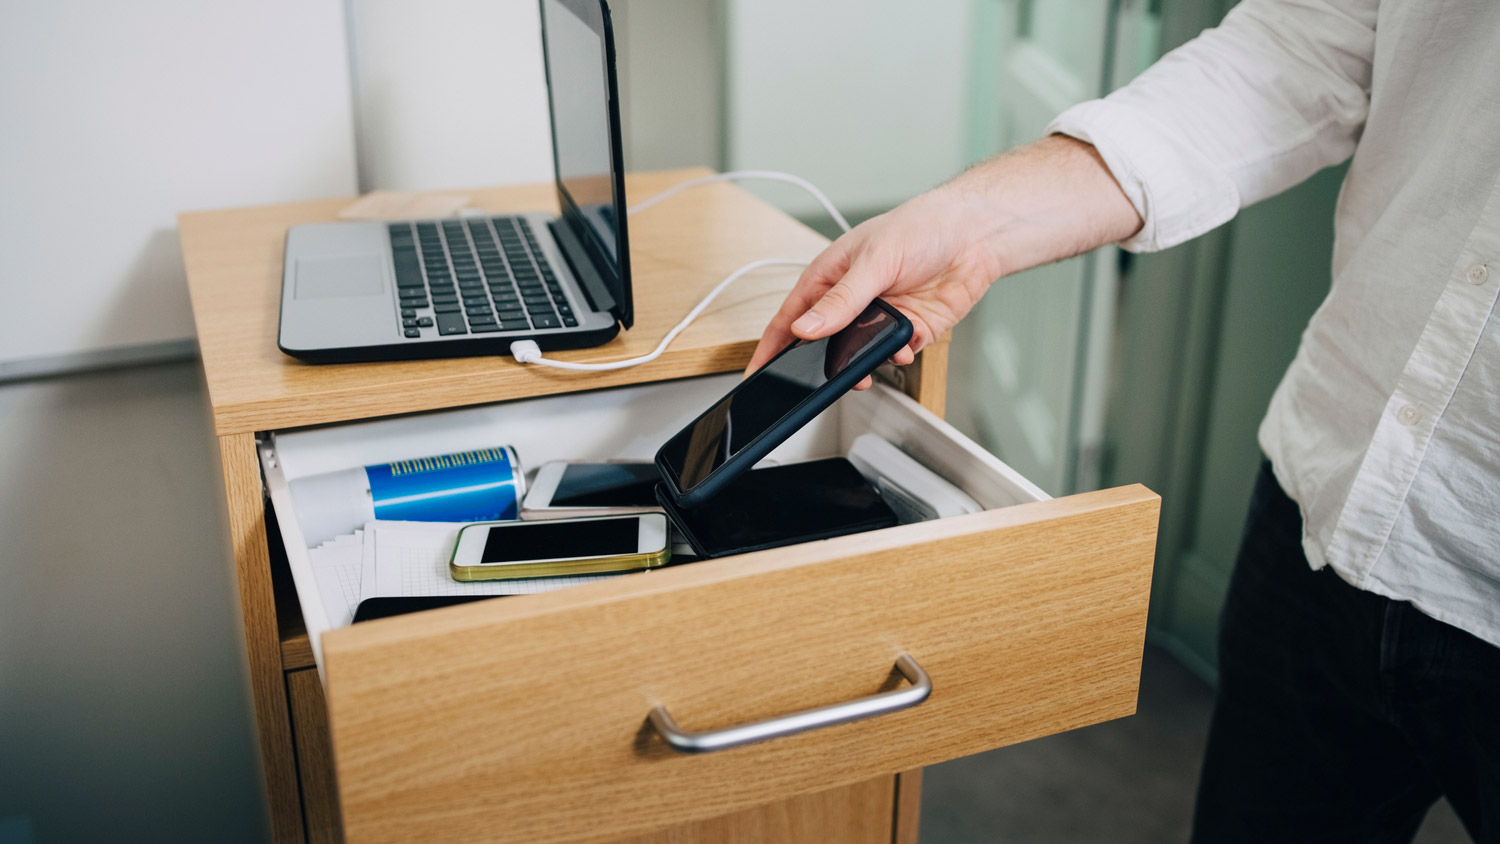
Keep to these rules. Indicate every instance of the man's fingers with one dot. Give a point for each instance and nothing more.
(842, 302)
(810, 287)
(774, 340)
(779, 333)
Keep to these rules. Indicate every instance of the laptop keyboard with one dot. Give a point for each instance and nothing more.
(475, 275)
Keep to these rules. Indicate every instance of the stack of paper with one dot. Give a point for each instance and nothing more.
(337, 564)
(404, 559)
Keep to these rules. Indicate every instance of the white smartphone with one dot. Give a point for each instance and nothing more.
(566, 488)
(512, 550)
(915, 492)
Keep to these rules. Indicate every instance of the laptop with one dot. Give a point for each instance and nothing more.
(472, 285)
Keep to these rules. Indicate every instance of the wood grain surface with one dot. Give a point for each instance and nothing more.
(854, 814)
(927, 378)
(252, 563)
(863, 813)
(1030, 620)
(320, 798)
(297, 652)
(908, 808)
(679, 250)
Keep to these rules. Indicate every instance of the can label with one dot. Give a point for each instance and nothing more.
(470, 486)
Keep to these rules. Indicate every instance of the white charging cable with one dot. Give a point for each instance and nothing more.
(527, 351)
(745, 176)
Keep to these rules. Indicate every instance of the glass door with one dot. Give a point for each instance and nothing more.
(1030, 366)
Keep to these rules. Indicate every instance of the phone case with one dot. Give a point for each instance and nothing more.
(788, 425)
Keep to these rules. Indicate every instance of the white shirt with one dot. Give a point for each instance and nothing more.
(1386, 428)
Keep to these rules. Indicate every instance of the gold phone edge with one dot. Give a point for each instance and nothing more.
(525, 571)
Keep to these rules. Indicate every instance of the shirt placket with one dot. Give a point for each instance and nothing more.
(1415, 408)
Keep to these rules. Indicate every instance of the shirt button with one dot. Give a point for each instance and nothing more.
(1409, 415)
(1478, 274)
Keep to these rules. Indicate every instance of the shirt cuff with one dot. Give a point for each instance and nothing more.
(1178, 194)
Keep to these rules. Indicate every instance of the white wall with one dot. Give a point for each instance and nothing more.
(449, 93)
(866, 98)
(670, 63)
(119, 115)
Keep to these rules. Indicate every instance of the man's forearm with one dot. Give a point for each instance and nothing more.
(1040, 203)
(934, 256)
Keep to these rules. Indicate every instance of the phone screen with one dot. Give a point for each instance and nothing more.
(781, 505)
(767, 396)
(607, 485)
(520, 542)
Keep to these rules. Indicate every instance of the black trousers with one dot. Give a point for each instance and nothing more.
(1342, 716)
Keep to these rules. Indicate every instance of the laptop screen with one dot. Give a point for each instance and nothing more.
(581, 91)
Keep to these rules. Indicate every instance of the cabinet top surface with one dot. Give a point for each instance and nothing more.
(679, 250)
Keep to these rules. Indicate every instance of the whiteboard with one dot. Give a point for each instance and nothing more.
(119, 115)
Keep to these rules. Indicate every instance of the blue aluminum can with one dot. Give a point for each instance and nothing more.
(484, 485)
(470, 486)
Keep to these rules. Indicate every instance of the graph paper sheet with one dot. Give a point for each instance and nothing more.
(338, 566)
(367, 561)
(411, 559)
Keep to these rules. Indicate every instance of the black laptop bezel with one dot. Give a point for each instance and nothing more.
(620, 303)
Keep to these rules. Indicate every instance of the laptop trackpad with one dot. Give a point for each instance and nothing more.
(330, 276)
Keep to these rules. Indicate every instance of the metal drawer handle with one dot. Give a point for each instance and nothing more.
(799, 722)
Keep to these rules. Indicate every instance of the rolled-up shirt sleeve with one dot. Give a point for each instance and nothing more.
(1276, 92)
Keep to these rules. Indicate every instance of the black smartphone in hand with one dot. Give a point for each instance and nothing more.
(774, 402)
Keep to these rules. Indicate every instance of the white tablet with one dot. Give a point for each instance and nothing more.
(915, 492)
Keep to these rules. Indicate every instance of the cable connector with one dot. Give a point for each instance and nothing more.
(526, 351)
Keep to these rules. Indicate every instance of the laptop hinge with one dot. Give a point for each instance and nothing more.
(583, 269)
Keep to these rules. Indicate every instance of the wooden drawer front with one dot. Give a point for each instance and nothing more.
(525, 720)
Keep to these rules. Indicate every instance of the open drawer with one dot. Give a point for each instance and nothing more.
(527, 719)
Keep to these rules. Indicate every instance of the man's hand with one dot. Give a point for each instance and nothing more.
(917, 256)
(935, 255)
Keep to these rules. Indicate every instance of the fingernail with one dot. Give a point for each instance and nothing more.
(808, 322)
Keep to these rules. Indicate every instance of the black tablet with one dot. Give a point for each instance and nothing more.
(770, 405)
(782, 505)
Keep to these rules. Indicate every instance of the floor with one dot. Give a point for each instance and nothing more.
(1129, 781)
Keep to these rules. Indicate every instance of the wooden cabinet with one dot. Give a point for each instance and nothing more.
(525, 719)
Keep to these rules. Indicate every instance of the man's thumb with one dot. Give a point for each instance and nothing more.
(839, 306)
